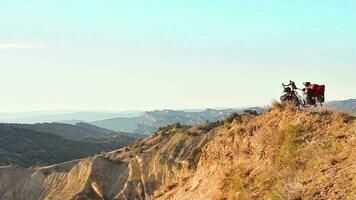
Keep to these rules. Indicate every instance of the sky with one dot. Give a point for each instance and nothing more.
(144, 55)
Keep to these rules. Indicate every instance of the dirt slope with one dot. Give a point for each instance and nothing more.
(284, 154)
(134, 172)
(281, 154)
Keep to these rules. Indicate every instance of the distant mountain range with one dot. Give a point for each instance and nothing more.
(48, 143)
(59, 116)
(132, 117)
(129, 121)
(149, 122)
(344, 105)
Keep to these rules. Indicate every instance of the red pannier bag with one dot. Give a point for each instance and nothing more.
(319, 90)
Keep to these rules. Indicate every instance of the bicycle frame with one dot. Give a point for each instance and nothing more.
(301, 100)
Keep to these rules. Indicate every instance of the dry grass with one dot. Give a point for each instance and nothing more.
(219, 196)
(290, 148)
(276, 105)
(231, 118)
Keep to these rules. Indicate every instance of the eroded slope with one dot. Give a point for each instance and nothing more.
(134, 172)
(282, 154)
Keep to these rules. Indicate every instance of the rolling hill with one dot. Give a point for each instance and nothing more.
(283, 153)
(27, 145)
(78, 131)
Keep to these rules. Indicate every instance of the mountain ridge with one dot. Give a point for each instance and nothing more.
(60, 116)
(348, 105)
(150, 121)
(73, 132)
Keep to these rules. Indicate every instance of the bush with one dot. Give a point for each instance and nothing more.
(231, 118)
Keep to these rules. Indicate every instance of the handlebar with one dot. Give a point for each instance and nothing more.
(291, 83)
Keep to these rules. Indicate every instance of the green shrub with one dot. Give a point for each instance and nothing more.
(231, 118)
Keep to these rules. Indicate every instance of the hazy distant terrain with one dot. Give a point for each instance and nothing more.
(59, 116)
(149, 122)
(343, 105)
(73, 132)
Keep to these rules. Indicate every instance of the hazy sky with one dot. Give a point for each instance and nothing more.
(120, 55)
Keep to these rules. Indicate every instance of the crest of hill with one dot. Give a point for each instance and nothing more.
(283, 153)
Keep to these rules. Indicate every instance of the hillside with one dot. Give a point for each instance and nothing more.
(78, 131)
(149, 122)
(281, 154)
(26, 147)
